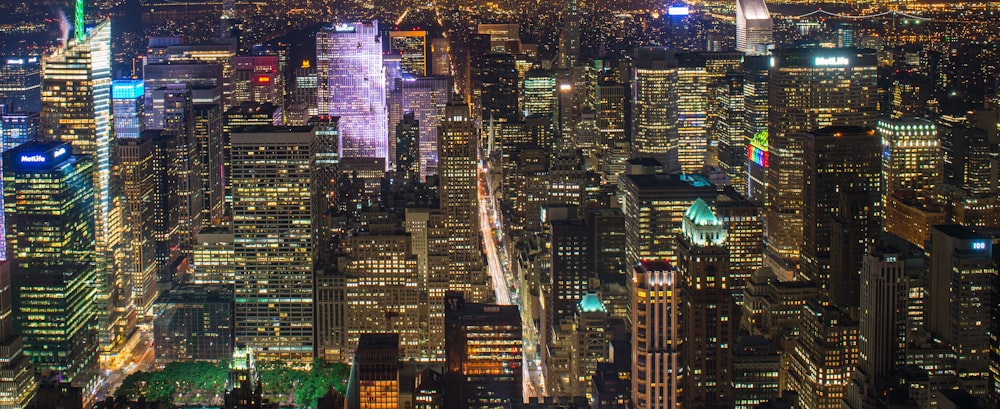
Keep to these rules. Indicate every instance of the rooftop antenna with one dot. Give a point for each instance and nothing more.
(79, 31)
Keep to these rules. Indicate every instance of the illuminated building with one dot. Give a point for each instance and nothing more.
(407, 155)
(458, 170)
(375, 373)
(129, 104)
(569, 36)
(818, 87)
(429, 238)
(179, 123)
(657, 375)
(590, 342)
(209, 152)
(256, 78)
(708, 316)
(213, 256)
(303, 95)
(352, 87)
(49, 197)
(440, 60)
(755, 371)
(427, 98)
(967, 155)
(697, 73)
(884, 317)
(773, 308)
(20, 84)
(912, 220)
(17, 385)
(654, 106)
(756, 104)
(500, 35)
(383, 292)
(841, 175)
(539, 94)
(17, 128)
(727, 129)
(76, 108)
(654, 207)
(612, 139)
(824, 356)
(272, 234)
(136, 158)
(569, 280)
(754, 28)
(193, 74)
(911, 156)
(483, 355)
(744, 237)
(412, 47)
(500, 89)
(194, 323)
(326, 168)
(960, 299)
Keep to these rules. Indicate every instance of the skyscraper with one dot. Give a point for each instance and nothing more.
(697, 74)
(654, 106)
(569, 38)
(413, 49)
(458, 170)
(129, 107)
(499, 88)
(136, 158)
(657, 377)
(960, 299)
(49, 198)
(744, 237)
(427, 98)
(352, 87)
(76, 108)
(756, 103)
(17, 386)
(727, 129)
(911, 157)
(818, 87)
(654, 207)
(823, 357)
(272, 212)
(842, 173)
(612, 137)
(483, 355)
(20, 84)
(754, 28)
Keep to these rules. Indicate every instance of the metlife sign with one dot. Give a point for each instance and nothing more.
(832, 61)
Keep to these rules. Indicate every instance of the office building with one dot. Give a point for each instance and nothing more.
(657, 375)
(612, 137)
(128, 97)
(754, 28)
(17, 128)
(136, 158)
(17, 386)
(968, 153)
(911, 157)
(959, 299)
(756, 365)
(458, 170)
(274, 254)
(48, 196)
(210, 154)
(194, 323)
(654, 106)
(257, 78)
(375, 373)
(539, 96)
(757, 104)
(500, 89)
(654, 207)
(213, 256)
(427, 98)
(21, 83)
(352, 87)
(697, 74)
(591, 341)
(824, 356)
(727, 129)
(412, 48)
(819, 87)
(195, 74)
(842, 172)
(569, 280)
(744, 237)
(407, 159)
(483, 354)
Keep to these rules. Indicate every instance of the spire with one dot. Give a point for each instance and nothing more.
(78, 27)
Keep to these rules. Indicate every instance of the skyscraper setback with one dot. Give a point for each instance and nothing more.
(352, 87)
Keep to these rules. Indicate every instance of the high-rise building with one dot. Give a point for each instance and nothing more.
(194, 323)
(959, 301)
(412, 48)
(257, 78)
(657, 375)
(17, 386)
(407, 160)
(539, 94)
(823, 357)
(968, 153)
(818, 87)
(727, 129)
(458, 169)
(129, 107)
(569, 280)
(756, 365)
(76, 108)
(754, 28)
(352, 86)
(911, 157)
(210, 154)
(744, 237)
(272, 213)
(427, 98)
(842, 172)
(500, 87)
(612, 137)
(697, 74)
(654, 207)
(440, 59)
(569, 37)
(375, 373)
(591, 340)
(654, 106)
(483, 355)
(49, 203)
(708, 315)
(17, 128)
(136, 161)
(756, 105)
(21, 84)
(213, 256)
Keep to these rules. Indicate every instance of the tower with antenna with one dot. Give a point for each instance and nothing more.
(79, 30)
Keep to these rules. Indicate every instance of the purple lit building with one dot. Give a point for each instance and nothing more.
(351, 85)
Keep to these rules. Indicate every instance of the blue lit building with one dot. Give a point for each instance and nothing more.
(128, 105)
(49, 197)
(21, 84)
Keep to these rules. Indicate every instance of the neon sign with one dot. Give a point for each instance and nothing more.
(758, 156)
(979, 245)
(832, 61)
(36, 158)
(59, 152)
(263, 79)
(344, 28)
(680, 10)
(759, 140)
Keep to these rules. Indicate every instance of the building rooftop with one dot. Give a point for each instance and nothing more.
(700, 214)
(591, 303)
(754, 9)
(959, 232)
